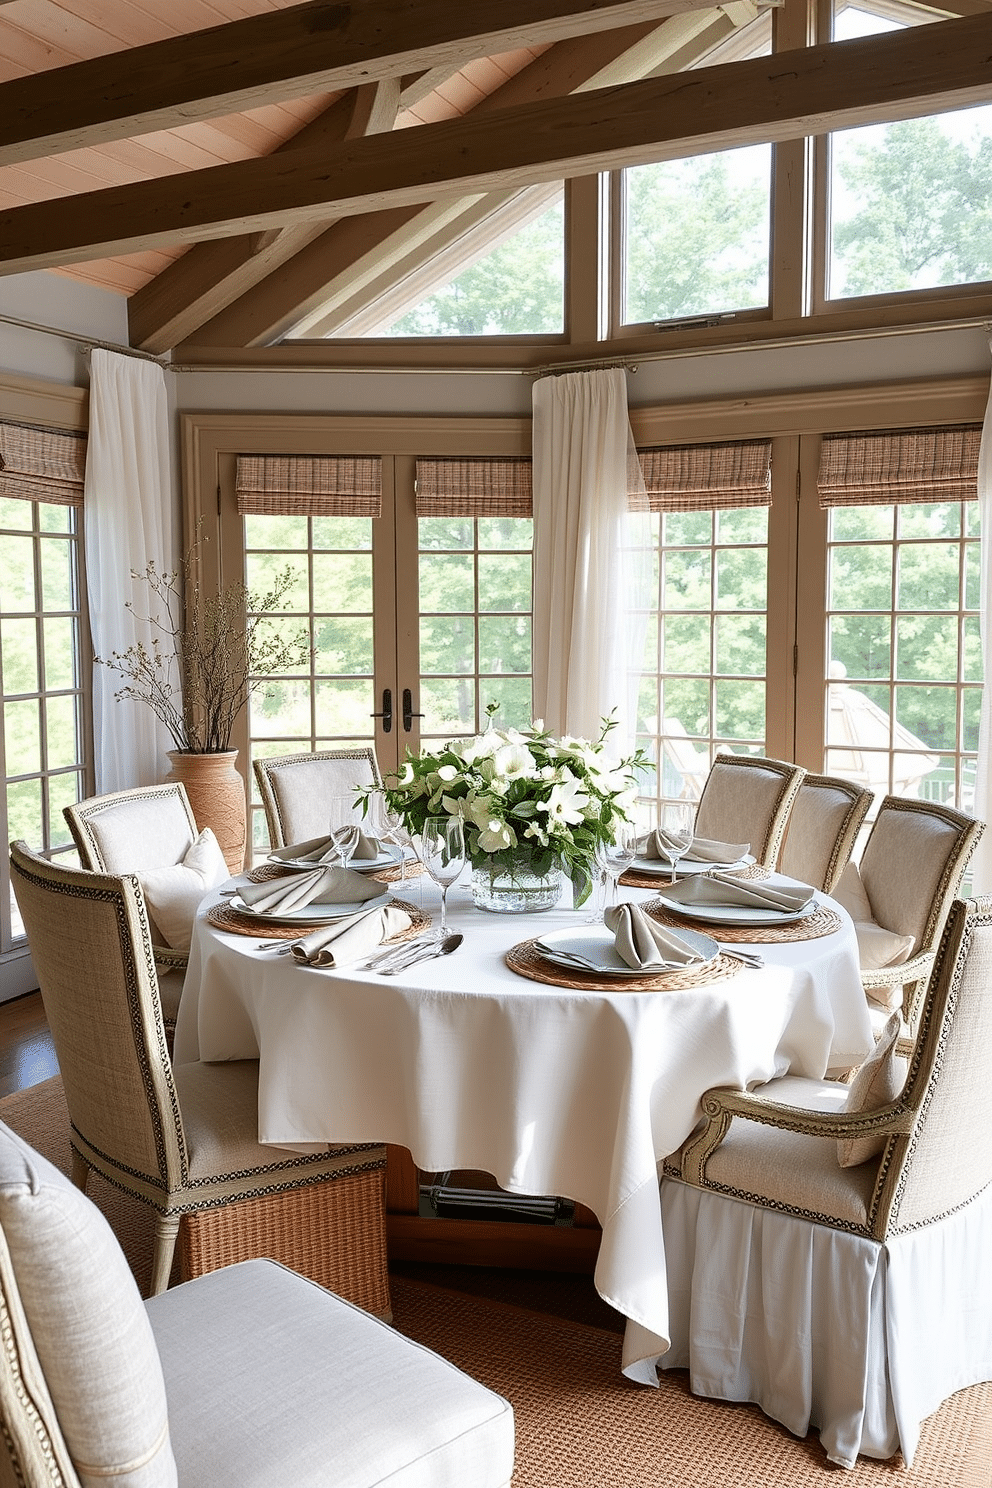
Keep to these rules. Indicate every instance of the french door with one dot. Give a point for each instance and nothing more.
(417, 624)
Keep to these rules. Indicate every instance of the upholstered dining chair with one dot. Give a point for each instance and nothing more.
(827, 1246)
(899, 894)
(183, 1138)
(297, 789)
(250, 1377)
(823, 828)
(748, 798)
(144, 830)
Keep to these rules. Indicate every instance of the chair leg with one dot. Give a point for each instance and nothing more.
(166, 1231)
(80, 1170)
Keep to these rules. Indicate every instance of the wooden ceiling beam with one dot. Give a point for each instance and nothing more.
(185, 296)
(199, 284)
(321, 46)
(322, 277)
(927, 69)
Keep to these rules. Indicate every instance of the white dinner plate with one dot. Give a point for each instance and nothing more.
(597, 946)
(389, 856)
(687, 866)
(309, 914)
(733, 914)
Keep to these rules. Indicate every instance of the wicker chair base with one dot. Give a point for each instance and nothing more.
(333, 1231)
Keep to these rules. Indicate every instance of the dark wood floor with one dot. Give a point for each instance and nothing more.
(27, 1055)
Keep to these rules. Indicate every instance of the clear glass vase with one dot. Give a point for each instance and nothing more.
(512, 887)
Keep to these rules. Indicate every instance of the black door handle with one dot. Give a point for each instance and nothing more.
(408, 713)
(387, 710)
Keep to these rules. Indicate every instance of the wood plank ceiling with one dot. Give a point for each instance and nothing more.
(240, 166)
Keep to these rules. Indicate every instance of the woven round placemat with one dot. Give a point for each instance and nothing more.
(226, 917)
(527, 961)
(266, 871)
(822, 921)
(635, 879)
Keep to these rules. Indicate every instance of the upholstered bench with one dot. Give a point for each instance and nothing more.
(248, 1377)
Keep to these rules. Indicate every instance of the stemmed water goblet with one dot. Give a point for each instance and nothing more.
(444, 856)
(386, 822)
(676, 831)
(615, 854)
(343, 828)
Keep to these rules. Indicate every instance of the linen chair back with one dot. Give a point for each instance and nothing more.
(747, 798)
(129, 831)
(913, 864)
(823, 828)
(297, 790)
(946, 1157)
(92, 952)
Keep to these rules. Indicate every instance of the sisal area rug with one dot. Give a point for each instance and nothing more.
(579, 1424)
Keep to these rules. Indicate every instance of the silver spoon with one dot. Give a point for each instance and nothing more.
(448, 944)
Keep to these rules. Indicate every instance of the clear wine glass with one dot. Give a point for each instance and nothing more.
(386, 822)
(676, 831)
(614, 855)
(341, 815)
(444, 856)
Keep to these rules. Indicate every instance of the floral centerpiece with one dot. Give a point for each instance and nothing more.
(532, 805)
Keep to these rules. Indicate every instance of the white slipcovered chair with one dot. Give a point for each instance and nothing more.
(297, 790)
(183, 1138)
(747, 798)
(250, 1377)
(827, 1246)
(823, 828)
(899, 895)
(149, 830)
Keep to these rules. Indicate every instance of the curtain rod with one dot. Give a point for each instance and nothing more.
(86, 342)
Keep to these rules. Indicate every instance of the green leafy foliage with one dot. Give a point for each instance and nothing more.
(923, 212)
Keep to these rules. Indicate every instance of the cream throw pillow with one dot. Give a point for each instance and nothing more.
(174, 894)
(877, 947)
(878, 1081)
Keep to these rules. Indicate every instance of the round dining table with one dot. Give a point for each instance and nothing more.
(552, 1089)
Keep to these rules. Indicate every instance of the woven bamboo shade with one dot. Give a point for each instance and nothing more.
(478, 487)
(39, 464)
(707, 477)
(887, 466)
(310, 485)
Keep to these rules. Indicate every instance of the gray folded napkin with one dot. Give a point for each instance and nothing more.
(641, 941)
(700, 849)
(350, 940)
(327, 885)
(784, 895)
(328, 849)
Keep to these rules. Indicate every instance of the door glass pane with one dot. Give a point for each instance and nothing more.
(475, 623)
(704, 679)
(904, 675)
(325, 703)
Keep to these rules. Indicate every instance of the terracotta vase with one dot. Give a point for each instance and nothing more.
(217, 796)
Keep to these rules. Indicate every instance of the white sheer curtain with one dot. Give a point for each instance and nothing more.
(981, 866)
(127, 508)
(591, 567)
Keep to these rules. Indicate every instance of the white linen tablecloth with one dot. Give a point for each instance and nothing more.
(552, 1091)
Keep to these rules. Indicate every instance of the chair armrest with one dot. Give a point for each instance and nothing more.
(720, 1106)
(912, 970)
